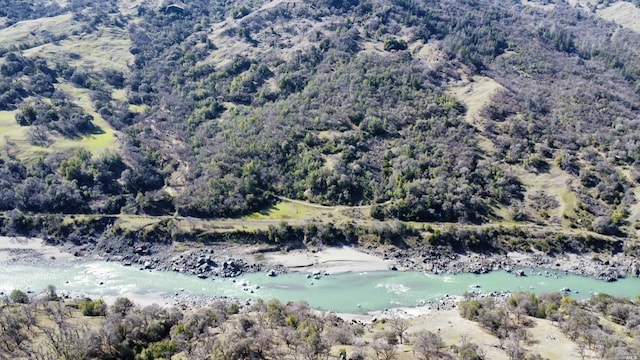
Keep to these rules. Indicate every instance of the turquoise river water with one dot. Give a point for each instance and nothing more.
(355, 292)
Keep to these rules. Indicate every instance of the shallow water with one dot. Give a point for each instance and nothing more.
(350, 292)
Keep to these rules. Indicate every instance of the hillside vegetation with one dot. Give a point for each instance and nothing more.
(522, 326)
(476, 112)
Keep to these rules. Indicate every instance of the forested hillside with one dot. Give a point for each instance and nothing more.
(471, 111)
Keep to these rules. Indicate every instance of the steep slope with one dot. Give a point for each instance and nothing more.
(455, 111)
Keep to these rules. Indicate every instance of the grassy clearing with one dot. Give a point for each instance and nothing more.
(95, 143)
(138, 108)
(287, 210)
(554, 184)
(451, 327)
(549, 342)
(38, 30)
(14, 136)
(104, 48)
(134, 222)
(9, 128)
(634, 211)
(538, 5)
(475, 94)
(545, 338)
(429, 53)
(119, 94)
(130, 7)
(300, 212)
(622, 13)
(569, 206)
(290, 41)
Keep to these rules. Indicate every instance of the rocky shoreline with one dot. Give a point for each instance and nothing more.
(600, 266)
(231, 260)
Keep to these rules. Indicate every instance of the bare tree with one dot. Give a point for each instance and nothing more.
(38, 135)
(399, 326)
(339, 334)
(383, 349)
(63, 340)
(581, 349)
(469, 350)
(513, 347)
(427, 344)
(358, 351)
(14, 334)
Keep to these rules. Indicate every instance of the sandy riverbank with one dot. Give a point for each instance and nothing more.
(333, 260)
(31, 250)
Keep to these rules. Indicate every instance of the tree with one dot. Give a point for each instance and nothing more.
(93, 308)
(27, 116)
(159, 350)
(384, 350)
(514, 348)
(51, 293)
(393, 44)
(121, 306)
(469, 350)
(399, 326)
(19, 297)
(427, 344)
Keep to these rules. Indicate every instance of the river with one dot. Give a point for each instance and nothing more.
(356, 292)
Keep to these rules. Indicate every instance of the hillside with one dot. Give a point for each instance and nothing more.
(441, 135)
(475, 112)
(522, 326)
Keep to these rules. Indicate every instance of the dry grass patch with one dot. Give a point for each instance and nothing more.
(138, 108)
(329, 135)
(538, 5)
(429, 52)
(301, 212)
(451, 327)
(569, 204)
(119, 94)
(475, 94)
(373, 47)
(554, 184)
(136, 222)
(549, 342)
(634, 209)
(105, 48)
(545, 338)
(10, 129)
(14, 139)
(129, 7)
(622, 13)
(38, 30)
(289, 37)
